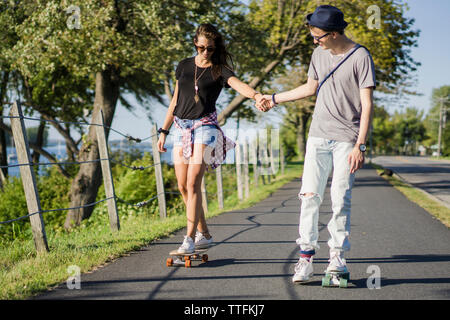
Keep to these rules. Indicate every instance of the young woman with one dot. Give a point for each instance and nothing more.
(198, 140)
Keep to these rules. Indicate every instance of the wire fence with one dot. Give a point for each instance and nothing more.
(29, 182)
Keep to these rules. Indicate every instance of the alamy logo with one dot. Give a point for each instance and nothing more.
(374, 280)
(374, 21)
(73, 22)
(74, 281)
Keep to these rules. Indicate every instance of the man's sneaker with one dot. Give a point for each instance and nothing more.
(337, 262)
(303, 270)
(188, 245)
(201, 242)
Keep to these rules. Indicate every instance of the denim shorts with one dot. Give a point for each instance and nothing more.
(205, 134)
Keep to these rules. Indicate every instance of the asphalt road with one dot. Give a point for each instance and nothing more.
(432, 176)
(255, 254)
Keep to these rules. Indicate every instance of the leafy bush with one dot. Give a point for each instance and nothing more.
(13, 205)
(53, 191)
(133, 186)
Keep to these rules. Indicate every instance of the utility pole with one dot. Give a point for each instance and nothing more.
(442, 121)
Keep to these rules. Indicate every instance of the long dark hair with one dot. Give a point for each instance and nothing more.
(221, 57)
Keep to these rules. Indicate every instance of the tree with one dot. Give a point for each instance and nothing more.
(383, 131)
(298, 112)
(119, 46)
(440, 100)
(279, 25)
(409, 130)
(53, 94)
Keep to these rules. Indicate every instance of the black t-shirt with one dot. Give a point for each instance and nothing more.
(208, 89)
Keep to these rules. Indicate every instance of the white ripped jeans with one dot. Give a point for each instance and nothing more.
(321, 156)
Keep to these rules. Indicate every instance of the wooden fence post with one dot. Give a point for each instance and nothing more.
(108, 181)
(238, 170)
(219, 186)
(246, 179)
(255, 161)
(28, 179)
(274, 150)
(158, 174)
(262, 145)
(268, 168)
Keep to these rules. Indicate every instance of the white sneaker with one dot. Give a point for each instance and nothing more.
(303, 270)
(337, 262)
(188, 245)
(201, 242)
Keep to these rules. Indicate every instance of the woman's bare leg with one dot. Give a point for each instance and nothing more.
(181, 169)
(194, 210)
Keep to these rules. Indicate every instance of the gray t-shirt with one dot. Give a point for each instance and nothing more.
(337, 112)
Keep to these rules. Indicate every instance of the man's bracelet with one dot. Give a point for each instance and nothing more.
(161, 130)
(273, 99)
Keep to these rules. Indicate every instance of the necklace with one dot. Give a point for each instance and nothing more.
(196, 97)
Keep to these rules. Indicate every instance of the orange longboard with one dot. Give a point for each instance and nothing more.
(185, 259)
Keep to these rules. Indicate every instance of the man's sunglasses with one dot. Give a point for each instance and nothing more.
(322, 36)
(202, 48)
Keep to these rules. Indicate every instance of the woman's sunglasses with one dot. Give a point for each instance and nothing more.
(202, 48)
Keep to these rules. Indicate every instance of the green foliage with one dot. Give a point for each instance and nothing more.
(440, 97)
(13, 205)
(297, 115)
(283, 23)
(400, 133)
(289, 141)
(383, 131)
(409, 129)
(32, 134)
(53, 194)
(53, 190)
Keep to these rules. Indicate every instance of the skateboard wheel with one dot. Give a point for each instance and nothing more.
(343, 283)
(204, 258)
(169, 262)
(326, 281)
(187, 263)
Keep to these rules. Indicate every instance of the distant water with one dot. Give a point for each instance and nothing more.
(59, 151)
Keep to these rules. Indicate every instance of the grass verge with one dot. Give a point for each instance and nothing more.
(24, 273)
(417, 196)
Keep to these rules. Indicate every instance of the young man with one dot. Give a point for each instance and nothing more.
(337, 134)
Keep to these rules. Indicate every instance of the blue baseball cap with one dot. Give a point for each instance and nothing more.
(327, 18)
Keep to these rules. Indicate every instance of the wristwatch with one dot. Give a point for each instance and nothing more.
(362, 147)
(161, 130)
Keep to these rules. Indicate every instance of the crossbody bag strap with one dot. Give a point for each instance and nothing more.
(340, 63)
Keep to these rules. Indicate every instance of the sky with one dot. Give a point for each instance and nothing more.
(431, 17)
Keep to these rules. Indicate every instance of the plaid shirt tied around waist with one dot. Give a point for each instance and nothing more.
(223, 144)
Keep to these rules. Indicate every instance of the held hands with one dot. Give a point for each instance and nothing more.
(264, 102)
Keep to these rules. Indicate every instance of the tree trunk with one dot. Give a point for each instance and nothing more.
(89, 178)
(238, 100)
(301, 134)
(36, 148)
(39, 141)
(3, 150)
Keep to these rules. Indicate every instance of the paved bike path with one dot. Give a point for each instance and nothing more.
(255, 254)
(430, 175)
